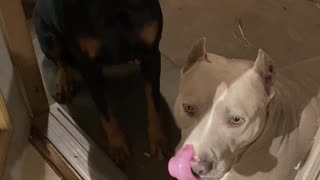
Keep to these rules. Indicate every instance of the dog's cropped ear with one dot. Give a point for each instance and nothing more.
(264, 67)
(197, 53)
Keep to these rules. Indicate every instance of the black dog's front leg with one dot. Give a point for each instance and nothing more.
(117, 145)
(151, 69)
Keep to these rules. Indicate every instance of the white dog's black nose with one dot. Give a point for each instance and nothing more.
(201, 167)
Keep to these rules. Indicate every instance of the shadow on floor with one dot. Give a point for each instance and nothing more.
(128, 103)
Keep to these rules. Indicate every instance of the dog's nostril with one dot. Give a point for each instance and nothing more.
(201, 167)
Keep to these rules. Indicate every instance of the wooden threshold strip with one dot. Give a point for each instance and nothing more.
(81, 156)
(52, 155)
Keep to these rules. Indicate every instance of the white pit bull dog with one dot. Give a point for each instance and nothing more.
(247, 120)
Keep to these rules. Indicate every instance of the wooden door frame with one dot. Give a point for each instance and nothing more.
(19, 41)
(5, 134)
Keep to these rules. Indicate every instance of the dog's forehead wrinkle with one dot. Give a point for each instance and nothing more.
(220, 64)
(197, 99)
(205, 78)
(246, 94)
(206, 125)
(203, 128)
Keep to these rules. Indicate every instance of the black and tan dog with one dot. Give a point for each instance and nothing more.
(89, 35)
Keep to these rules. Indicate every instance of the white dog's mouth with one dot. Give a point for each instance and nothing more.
(186, 165)
(219, 171)
(211, 177)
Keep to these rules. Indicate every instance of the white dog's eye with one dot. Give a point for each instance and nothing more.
(236, 120)
(190, 109)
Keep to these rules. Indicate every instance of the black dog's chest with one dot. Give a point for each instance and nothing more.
(118, 31)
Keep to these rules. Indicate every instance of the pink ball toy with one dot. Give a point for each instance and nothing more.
(180, 165)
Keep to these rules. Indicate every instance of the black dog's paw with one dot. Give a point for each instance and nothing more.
(118, 149)
(158, 142)
(64, 86)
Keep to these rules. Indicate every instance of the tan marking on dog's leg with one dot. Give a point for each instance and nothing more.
(157, 138)
(89, 46)
(64, 83)
(149, 32)
(118, 149)
(64, 79)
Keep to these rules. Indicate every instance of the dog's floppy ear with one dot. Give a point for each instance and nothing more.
(264, 67)
(198, 52)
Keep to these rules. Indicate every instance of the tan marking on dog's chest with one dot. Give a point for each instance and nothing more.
(89, 46)
(149, 32)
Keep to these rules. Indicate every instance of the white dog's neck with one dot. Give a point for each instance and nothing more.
(285, 140)
(287, 112)
(282, 114)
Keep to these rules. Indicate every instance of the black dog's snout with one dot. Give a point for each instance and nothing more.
(201, 167)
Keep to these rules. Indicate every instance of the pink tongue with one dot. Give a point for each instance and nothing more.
(180, 165)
